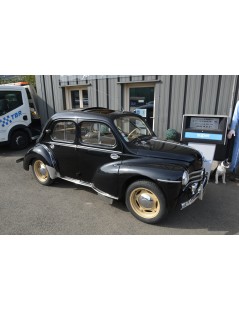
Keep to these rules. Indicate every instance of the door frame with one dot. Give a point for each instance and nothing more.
(127, 87)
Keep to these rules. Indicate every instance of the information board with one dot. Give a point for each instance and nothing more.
(204, 128)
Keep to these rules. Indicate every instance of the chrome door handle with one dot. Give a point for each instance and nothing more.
(114, 156)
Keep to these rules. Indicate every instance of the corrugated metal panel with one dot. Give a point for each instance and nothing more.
(124, 79)
(102, 94)
(163, 105)
(93, 94)
(58, 100)
(136, 78)
(156, 107)
(114, 97)
(209, 94)
(49, 98)
(193, 94)
(177, 101)
(41, 99)
(150, 78)
(226, 93)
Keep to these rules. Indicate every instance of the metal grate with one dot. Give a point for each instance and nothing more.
(196, 176)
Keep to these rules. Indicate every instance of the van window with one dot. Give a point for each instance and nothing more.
(28, 93)
(9, 100)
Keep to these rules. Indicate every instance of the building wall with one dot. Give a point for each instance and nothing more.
(175, 95)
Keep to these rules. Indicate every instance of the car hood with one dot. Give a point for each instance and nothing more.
(169, 151)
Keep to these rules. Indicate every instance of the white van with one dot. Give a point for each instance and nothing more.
(19, 119)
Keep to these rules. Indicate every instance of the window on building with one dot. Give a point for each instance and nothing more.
(77, 98)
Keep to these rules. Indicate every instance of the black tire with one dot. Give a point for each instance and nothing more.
(19, 140)
(146, 201)
(41, 173)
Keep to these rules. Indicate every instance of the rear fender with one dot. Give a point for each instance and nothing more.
(41, 152)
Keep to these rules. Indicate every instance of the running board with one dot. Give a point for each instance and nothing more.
(91, 185)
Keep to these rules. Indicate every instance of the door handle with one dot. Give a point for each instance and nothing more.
(114, 156)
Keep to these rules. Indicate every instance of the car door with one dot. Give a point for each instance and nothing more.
(63, 145)
(99, 155)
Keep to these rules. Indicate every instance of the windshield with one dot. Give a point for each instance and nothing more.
(132, 127)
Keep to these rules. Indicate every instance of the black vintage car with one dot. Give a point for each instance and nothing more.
(118, 155)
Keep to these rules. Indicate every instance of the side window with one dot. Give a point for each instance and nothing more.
(28, 93)
(64, 131)
(97, 134)
(9, 100)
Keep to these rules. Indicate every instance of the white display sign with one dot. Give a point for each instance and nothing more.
(207, 151)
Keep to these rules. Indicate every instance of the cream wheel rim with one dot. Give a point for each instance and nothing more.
(144, 203)
(40, 170)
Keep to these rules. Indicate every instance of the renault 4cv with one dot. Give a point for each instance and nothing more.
(119, 156)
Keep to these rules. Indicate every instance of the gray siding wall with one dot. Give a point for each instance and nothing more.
(175, 95)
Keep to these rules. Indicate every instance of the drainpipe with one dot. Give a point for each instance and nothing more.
(231, 104)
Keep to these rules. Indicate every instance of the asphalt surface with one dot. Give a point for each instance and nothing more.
(28, 208)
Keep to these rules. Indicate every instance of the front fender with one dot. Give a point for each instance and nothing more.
(39, 151)
(167, 176)
(162, 171)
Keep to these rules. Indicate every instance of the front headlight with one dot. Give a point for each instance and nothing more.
(185, 178)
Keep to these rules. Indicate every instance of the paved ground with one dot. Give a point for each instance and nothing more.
(26, 207)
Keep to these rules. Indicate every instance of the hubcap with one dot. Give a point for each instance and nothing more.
(20, 141)
(40, 171)
(145, 203)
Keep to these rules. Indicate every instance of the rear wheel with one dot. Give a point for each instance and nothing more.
(146, 201)
(19, 140)
(41, 173)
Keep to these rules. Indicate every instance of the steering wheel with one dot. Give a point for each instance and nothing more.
(134, 131)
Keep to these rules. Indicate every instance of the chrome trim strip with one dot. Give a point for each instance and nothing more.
(97, 149)
(195, 172)
(79, 182)
(168, 181)
(194, 180)
(62, 144)
(91, 185)
(85, 147)
(103, 193)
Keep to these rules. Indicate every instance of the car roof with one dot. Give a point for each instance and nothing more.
(89, 113)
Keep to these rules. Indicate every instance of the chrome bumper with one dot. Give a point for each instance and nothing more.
(197, 195)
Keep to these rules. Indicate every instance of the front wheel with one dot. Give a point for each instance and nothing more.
(41, 173)
(146, 201)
